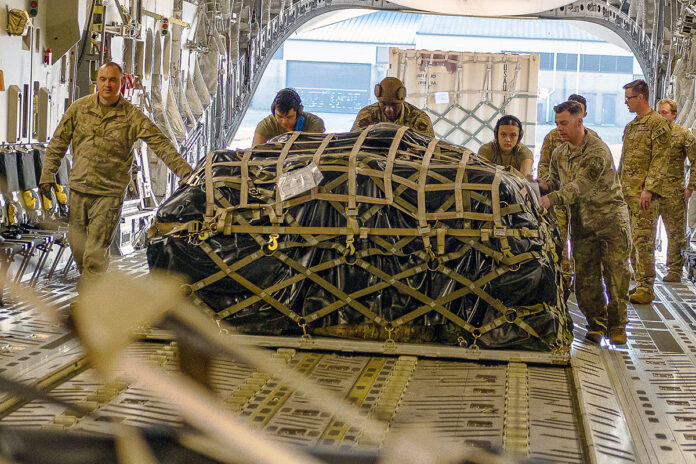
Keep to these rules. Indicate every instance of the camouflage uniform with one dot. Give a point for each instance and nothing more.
(551, 142)
(672, 207)
(492, 152)
(584, 179)
(410, 116)
(646, 150)
(102, 143)
(561, 213)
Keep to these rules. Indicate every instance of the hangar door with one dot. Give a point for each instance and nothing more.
(465, 93)
(330, 87)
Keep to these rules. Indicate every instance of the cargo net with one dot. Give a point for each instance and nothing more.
(380, 235)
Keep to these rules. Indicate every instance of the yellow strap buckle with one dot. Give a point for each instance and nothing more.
(273, 242)
(306, 337)
(350, 248)
(389, 343)
(196, 228)
(476, 334)
(432, 262)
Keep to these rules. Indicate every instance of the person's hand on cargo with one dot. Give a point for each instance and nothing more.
(543, 186)
(645, 199)
(545, 202)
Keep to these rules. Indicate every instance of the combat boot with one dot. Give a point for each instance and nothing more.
(67, 317)
(642, 295)
(672, 276)
(595, 334)
(617, 335)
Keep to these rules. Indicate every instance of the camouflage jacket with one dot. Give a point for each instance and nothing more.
(410, 116)
(645, 153)
(102, 146)
(683, 147)
(584, 178)
(551, 142)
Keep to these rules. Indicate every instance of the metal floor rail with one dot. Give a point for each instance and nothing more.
(630, 404)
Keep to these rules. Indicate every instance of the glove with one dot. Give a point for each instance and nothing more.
(45, 189)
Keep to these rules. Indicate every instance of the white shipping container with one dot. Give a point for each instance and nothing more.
(465, 93)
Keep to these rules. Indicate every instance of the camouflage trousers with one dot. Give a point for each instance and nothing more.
(601, 261)
(92, 223)
(673, 211)
(643, 228)
(562, 214)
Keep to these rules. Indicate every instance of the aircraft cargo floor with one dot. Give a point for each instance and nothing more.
(608, 404)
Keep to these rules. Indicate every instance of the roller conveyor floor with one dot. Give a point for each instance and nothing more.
(608, 404)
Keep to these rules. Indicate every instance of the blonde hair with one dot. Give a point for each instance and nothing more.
(668, 101)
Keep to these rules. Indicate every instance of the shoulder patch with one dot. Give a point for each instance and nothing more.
(595, 167)
(659, 132)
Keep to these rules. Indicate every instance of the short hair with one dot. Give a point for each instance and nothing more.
(572, 107)
(640, 87)
(114, 64)
(668, 101)
(286, 100)
(578, 98)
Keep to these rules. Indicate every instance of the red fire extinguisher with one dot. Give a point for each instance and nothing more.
(47, 57)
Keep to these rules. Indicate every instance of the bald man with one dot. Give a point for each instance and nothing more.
(102, 129)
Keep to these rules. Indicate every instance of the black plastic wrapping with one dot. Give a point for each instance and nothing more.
(536, 282)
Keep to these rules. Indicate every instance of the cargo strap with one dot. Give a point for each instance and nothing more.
(266, 218)
(507, 315)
